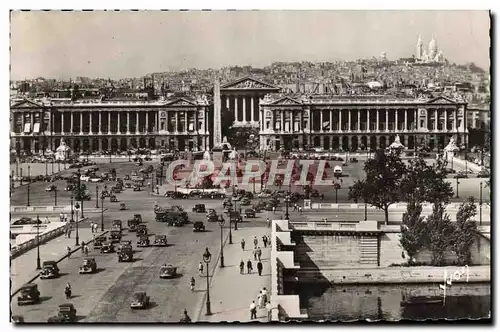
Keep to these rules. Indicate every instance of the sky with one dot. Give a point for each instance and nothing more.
(132, 44)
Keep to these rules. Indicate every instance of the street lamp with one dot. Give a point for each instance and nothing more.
(52, 165)
(102, 212)
(456, 178)
(480, 203)
(221, 224)
(77, 206)
(29, 182)
(235, 200)
(336, 186)
(80, 190)
(38, 266)
(287, 200)
(55, 196)
(96, 196)
(46, 168)
(207, 256)
(230, 221)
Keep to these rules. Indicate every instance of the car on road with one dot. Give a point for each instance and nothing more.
(99, 240)
(123, 244)
(137, 187)
(138, 217)
(212, 218)
(195, 192)
(113, 199)
(461, 175)
(84, 178)
(483, 174)
(51, 187)
(140, 301)
(89, 265)
(66, 314)
(69, 187)
(198, 226)
(211, 212)
(245, 201)
(168, 271)
(353, 160)
(49, 270)
(29, 294)
(126, 254)
(107, 247)
(450, 170)
(115, 235)
(143, 241)
(249, 213)
(160, 241)
(132, 225)
(199, 208)
(142, 230)
(95, 180)
(118, 224)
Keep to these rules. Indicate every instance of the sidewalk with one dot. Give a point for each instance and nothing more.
(23, 268)
(231, 292)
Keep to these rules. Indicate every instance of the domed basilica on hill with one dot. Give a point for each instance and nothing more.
(432, 54)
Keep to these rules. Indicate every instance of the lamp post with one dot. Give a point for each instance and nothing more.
(55, 196)
(206, 258)
(46, 168)
(21, 177)
(52, 165)
(336, 186)
(80, 191)
(221, 224)
(480, 203)
(230, 221)
(456, 178)
(102, 212)
(235, 200)
(287, 200)
(77, 239)
(38, 266)
(96, 196)
(29, 183)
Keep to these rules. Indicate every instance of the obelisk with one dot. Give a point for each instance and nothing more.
(217, 115)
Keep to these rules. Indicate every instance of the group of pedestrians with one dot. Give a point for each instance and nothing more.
(93, 227)
(263, 301)
(257, 255)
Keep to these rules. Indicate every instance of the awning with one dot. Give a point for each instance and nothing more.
(27, 128)
(36, 128)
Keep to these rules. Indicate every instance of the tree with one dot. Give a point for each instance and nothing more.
(412, 230)
(425, 183)
(207, 182)
(439, 232)
(381, 188)
(465, 231)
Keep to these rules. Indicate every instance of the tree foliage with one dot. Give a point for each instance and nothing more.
(425, 183)
(465, 231)
(412, 230)
(439, 232)
(381, 188)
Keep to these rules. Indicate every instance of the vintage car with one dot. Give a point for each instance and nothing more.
(99, 240)
(245, 201)
(168, 271)
(143, 241)
(51, 187)
(198, 226)
(49, 270)
(113, 199)
(140, 301)
(142, 230)
(483, 174)
(249, 213)
(124, 244)
(211, 212)
(461, 175)
(107, 247)
(128, 184)
(117, 224)
(137, 187)
(126, 254)
(138, 218)
(89, 265)
(116, 235)
(29, 294)
(66, 314)
(132, 225)
(199, 208)
(123, 207)
(212, 218)
(160, 241)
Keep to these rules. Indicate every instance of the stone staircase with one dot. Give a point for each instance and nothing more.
(368, 250)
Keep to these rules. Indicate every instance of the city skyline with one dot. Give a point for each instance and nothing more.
(69, 44)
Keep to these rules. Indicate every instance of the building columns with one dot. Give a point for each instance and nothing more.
(436, 120)
(146, 127)
(62, 122)
(406, 120)
(100, 126)
(81, 124)
(137, 123)
(128, 122)
(396, 119)
(386, 120)
(71, 123)
(244, 106)
(90, 123)
(378, 120)
(321, 120)
(236, 109)
(349, 122)
(359, 120)
(340, 120)
(368, 121)
(252, 107)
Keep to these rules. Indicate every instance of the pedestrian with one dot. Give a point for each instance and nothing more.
(95, 227)
(253, 310)
(300, 209)
(86, 250)
(259, 253)
(61, 217)
(255, 242)
(69, 233)
(264, 294)
(68, 249)
(264, 240)
(269, 311)
(249, 266)
(83, 247)
(93, 237)
(242, 266)
(191, 284)
(200, 268)
(268, 222)
(92, 226)
(254, 254)
(260, 300)
(259, 267)
(243, 244)
(274, 209)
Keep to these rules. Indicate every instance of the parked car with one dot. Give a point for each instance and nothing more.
(113, 199)
(199, 208)
(89, 265)
(211, 212)
(142, 230)
(137, 188)
(29, 294)
(49, 270)
(66, 314)
(249, 213)
(140, 301)
(99, 240)
(115, 235)
(198, 226)
(125, 254)
(143, 241)
(107, 247)
(168, 271)
(118, 224)
(160, 241)
(353, 160)
(95, 180)
(450, 171)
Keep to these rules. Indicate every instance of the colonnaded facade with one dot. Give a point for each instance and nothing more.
(287, 122)
(90, 126)
(351, 123)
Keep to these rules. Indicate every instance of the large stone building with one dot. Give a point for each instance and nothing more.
(287, 122)
(89, 126)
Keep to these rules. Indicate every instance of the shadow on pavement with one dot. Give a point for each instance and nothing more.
(62, 274)
(152, 304)
(136, 260)
(177, 276)
(100, 269)
(79, 318)
(45, 298)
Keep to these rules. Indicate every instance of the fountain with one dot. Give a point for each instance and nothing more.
(396, 145)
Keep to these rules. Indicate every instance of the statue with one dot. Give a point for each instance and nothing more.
(396, 145)
(225, 144)
(206, 155)
(62, 151)
(450, 149)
